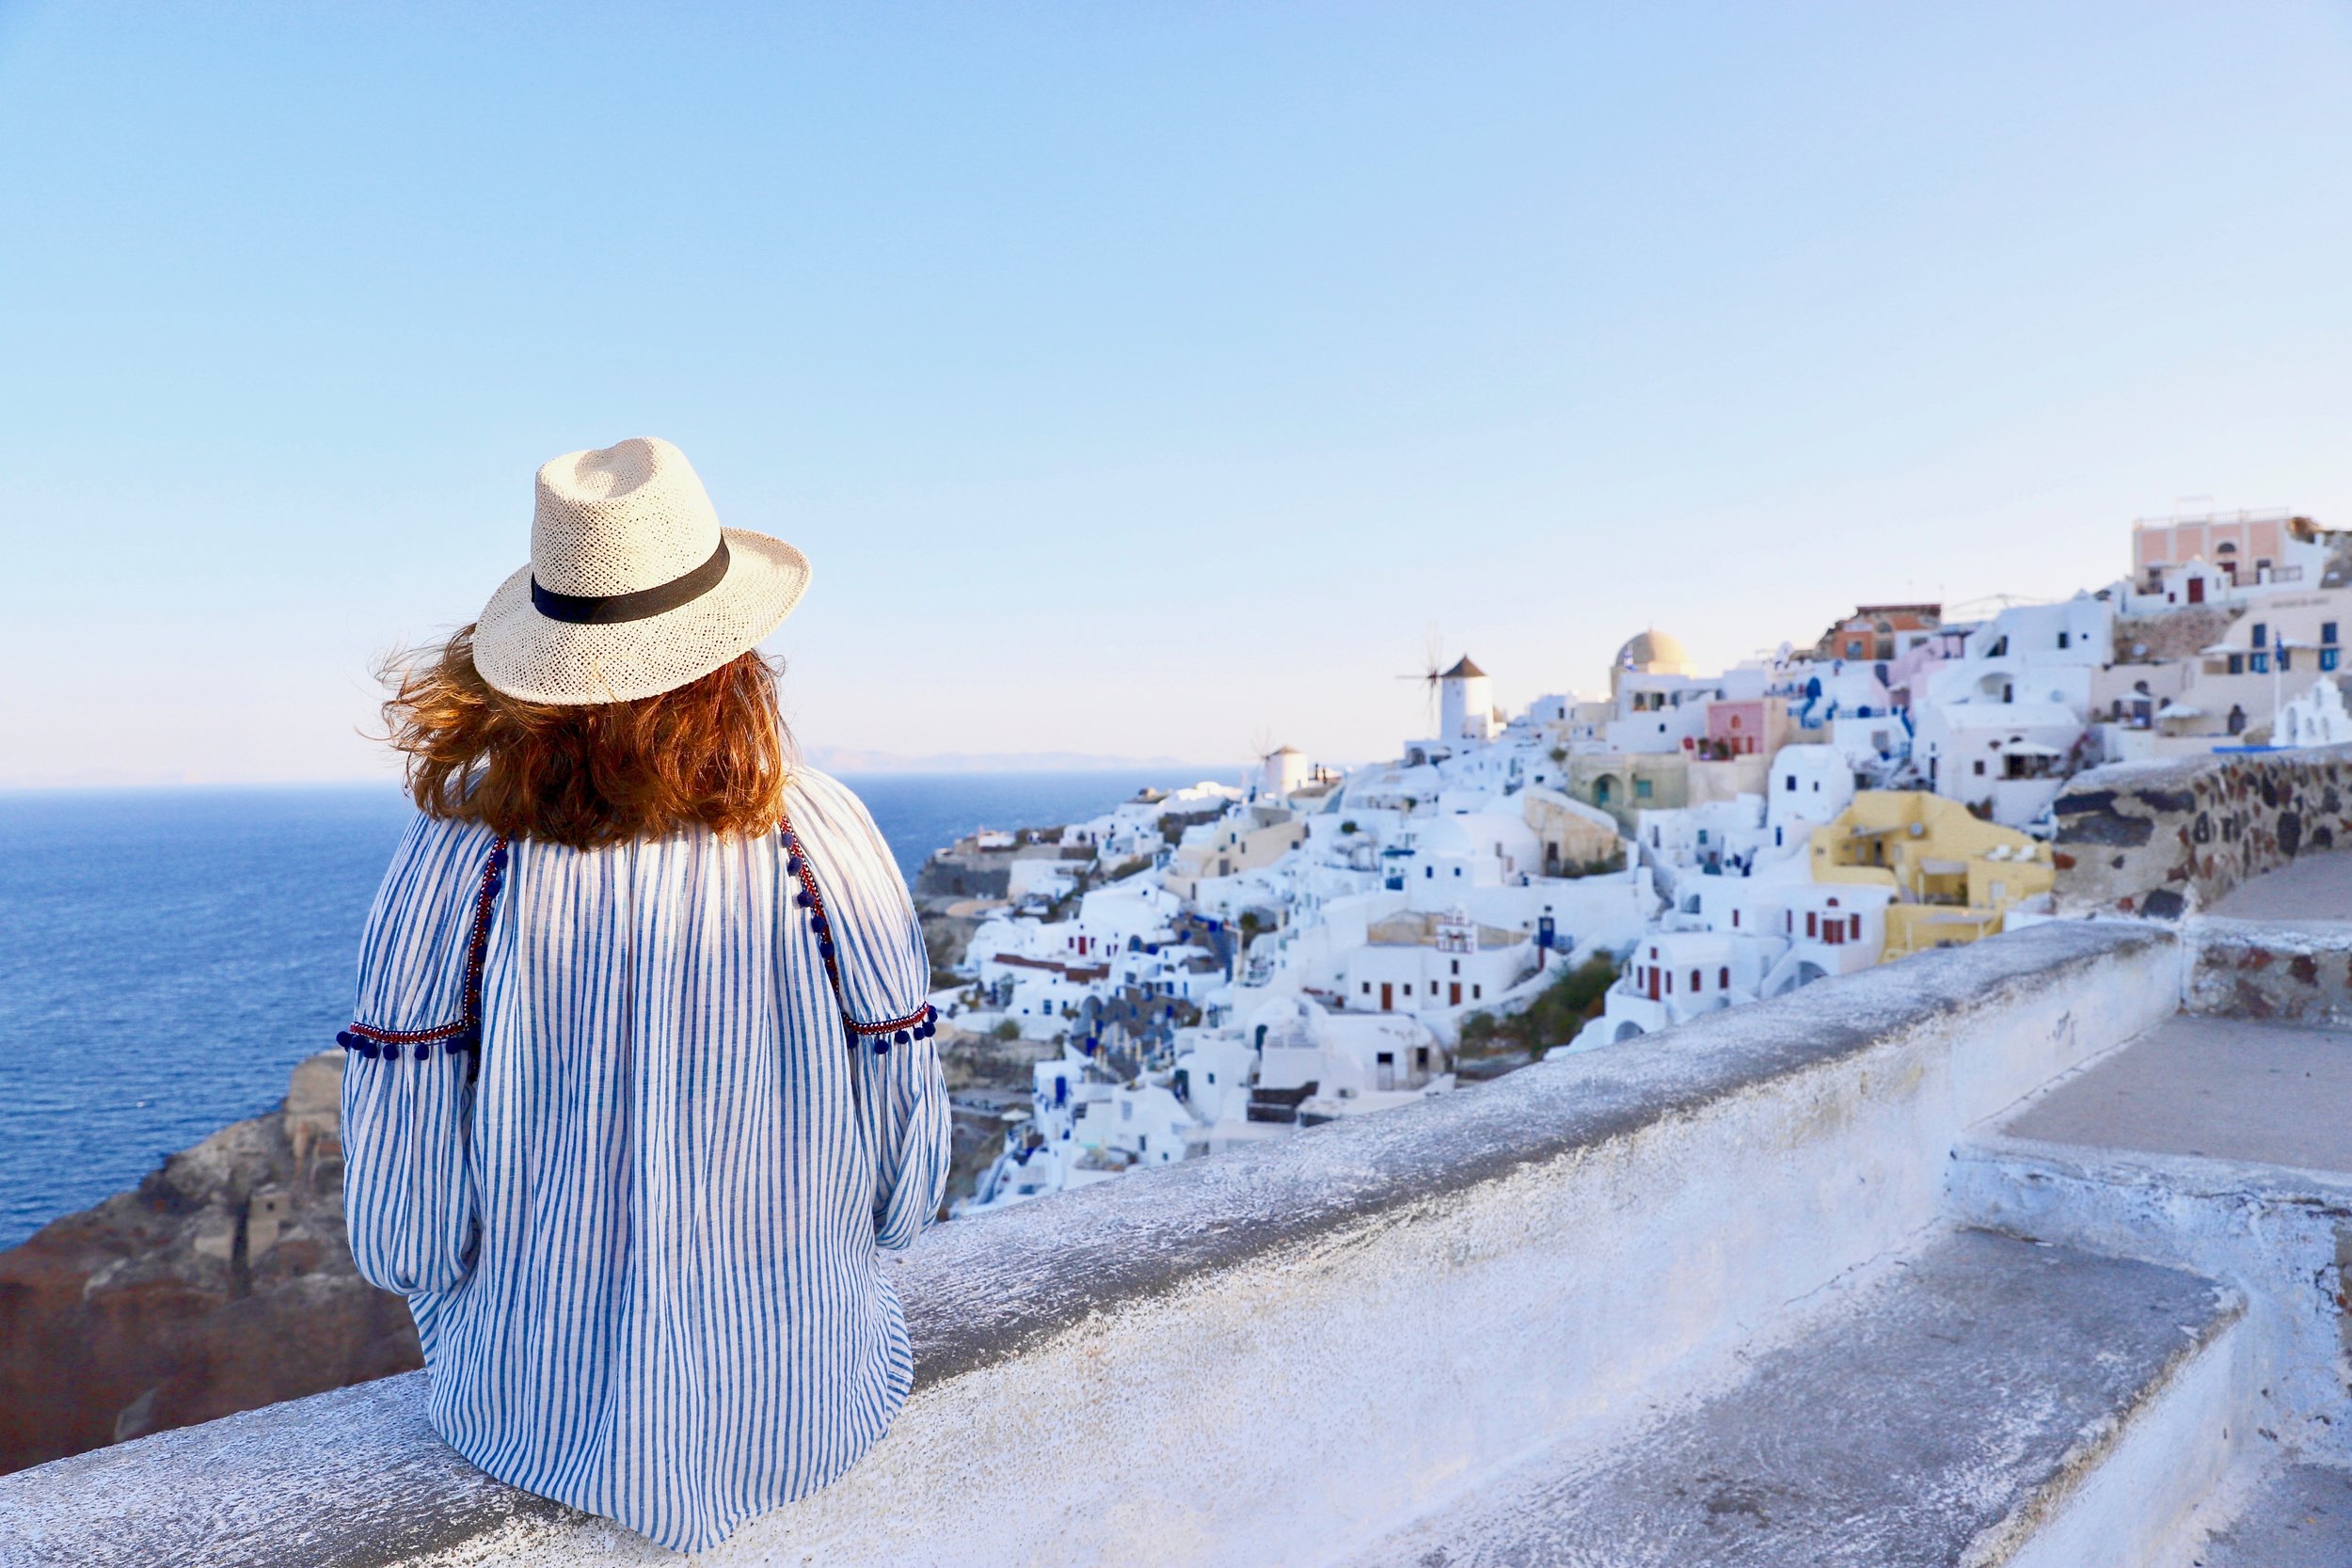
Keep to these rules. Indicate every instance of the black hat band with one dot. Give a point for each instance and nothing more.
(606, 609)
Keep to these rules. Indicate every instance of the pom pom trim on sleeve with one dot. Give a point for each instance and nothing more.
(921, 1024)
(464, 1034)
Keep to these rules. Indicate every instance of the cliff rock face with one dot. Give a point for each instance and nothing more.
(222, 1283)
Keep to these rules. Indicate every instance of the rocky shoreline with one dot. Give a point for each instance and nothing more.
(222, 1282)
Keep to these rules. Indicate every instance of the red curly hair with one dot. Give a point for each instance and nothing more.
(714, 752)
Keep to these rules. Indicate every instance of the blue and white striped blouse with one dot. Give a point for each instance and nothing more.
(627, 1126)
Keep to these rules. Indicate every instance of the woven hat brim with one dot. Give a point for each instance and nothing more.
(528, 656)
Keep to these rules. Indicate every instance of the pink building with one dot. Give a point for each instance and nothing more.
(2247, 548)
(1741, 727)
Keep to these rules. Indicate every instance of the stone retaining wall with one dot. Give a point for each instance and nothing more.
(2276, 972)
(2164, 839)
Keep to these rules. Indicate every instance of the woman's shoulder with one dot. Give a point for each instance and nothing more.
(431, 840)
(873, 933)
(837, 833)
(438, 859)
(438, 891)
(820, 805)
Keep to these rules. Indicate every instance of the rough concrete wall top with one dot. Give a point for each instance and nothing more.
(354, 1478)
(980, 1291)
(2164, 839)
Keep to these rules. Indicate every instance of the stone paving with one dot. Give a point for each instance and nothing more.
(2301, 1519)
(2316, 887)
(2219, 1088)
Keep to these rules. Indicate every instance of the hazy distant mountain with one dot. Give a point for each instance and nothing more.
(841, 759)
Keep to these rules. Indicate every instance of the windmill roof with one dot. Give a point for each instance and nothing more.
(1462, 668)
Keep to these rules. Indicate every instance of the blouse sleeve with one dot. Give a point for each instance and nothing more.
(884, 981)
(408, 1197)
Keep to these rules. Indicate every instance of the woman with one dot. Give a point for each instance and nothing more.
(639, 1077)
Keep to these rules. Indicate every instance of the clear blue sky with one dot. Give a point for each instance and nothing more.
(1141, 378)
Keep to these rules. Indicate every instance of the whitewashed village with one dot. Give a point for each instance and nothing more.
(1235, 962)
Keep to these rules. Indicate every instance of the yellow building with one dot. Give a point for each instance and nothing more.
(1953, 874)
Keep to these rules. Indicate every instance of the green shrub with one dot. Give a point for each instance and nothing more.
(1607, 865)
(1006, 1030)
(1553, 1018)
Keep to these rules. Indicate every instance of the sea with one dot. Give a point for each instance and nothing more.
(167, 957)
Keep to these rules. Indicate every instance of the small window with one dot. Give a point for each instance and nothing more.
(2326, 631)
(2237, 664)
(1980, 768)
(2262, 635)
(1853, 926)
(1789, 784)
(1477, 991)
(1641, 789)
(1367, 987)
(1722, 978)
(2327, 657)
(2261, 663)
(1696, 984)
(1458, 966)
(2064, 638)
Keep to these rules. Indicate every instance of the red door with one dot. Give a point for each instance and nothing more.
(1456, 999)
(2197, 589)
(1384, 996)
(1653, 983)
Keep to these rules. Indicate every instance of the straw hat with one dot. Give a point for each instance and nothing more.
(634, 588)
